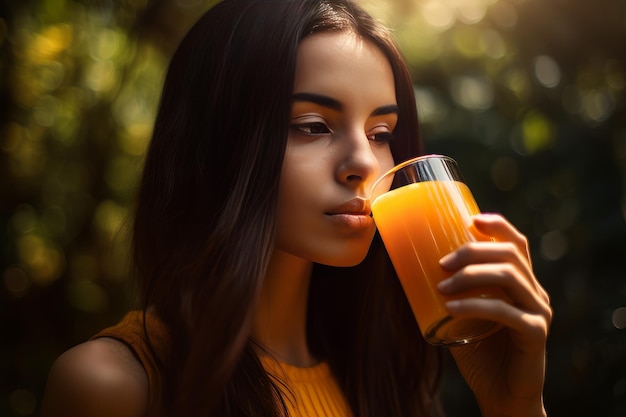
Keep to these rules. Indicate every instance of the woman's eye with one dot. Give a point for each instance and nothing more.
(313, 128)
(381, 137)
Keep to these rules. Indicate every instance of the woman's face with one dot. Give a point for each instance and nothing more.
(344, 110)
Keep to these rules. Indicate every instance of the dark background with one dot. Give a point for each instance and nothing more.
(528, 96)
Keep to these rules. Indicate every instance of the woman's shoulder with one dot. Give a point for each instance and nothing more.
(101, 377)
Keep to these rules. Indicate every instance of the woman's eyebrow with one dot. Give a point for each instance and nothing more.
(388, 109)
(334, 104)
(319, 99)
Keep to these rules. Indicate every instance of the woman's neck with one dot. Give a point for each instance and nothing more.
(280, 321)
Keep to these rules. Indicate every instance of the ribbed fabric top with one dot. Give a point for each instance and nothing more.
(131, 331)
(308, 392)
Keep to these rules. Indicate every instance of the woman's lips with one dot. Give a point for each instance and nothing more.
(352, 220)
(354, 213)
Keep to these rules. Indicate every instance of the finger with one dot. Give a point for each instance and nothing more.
(501, 230)
(498, 280)
(485, 252)
(493, 252)
(489, 253)
(528, 330)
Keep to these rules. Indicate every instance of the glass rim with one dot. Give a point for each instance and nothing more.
(408, 162)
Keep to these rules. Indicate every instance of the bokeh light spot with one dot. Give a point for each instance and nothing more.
(492, 44)
(101, 76)
(518, 83)
(472, 92)
(425, 46)
(23, 402)
(431, 107)
(553, 245)
(468, 41)
(16, 281)
(619, 318)
(547, 71)
(504, 14)
(122, 173)
(87, 296)
(471, 12)
(51, 75)
(438, 14)
(44, 261)
(44, 113)
(596, 105)
(538, 132)
(108, 219)
(108, 44)
(52, 40)
(616, 73)
(136, 138)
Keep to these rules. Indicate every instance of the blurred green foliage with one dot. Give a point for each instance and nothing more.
(528, 96)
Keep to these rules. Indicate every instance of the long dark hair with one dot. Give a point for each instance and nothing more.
(205, 218)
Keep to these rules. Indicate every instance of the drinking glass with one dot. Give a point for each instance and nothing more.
(423, 210)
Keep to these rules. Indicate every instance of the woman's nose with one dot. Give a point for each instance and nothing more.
(359, 163)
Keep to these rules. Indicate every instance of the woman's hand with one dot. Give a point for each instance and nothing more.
(505, 371)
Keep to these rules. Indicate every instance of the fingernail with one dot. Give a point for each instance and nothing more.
(485, 217)
(445, 286)
(448, 260)
(453, 305)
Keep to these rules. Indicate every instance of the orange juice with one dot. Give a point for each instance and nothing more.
(420, 223)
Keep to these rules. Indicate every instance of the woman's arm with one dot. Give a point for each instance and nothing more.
(97, 378)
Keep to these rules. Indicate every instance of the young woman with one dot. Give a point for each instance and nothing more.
(266, 291)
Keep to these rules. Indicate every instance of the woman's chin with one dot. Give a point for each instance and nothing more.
(347, 260)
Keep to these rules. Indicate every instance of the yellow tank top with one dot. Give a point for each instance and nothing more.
(308, 392)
